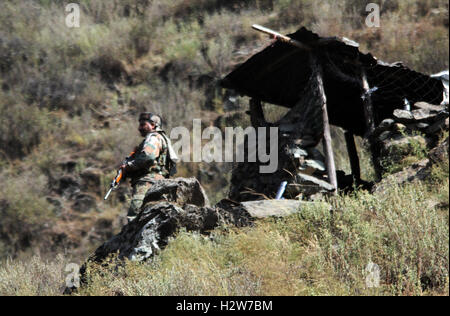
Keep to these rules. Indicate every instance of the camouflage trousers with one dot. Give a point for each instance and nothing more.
(137, 198)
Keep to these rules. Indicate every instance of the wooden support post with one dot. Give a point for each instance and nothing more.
(256, 114)
(353, 156)
(368, 107)
(370, 122)
(328, 148)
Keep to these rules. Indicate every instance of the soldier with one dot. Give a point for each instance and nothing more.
(149, 161)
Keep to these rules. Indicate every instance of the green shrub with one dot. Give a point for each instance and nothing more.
(24, 211)
(22, 126)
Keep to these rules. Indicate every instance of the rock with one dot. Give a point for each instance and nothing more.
(309, 185)
(277, 208)
(422, 115)
(68, 165)
(402, 146)
(416, 172)
(315, 164)
(386, 123)
(420, 126)
(233, 213)
(68, 186)
(430, 107)
(180, 191)
(58, 206)
(84, 203)
(385, 135)
(160, 220)
(403, 116)
(150, 231)
(384, 126)
(398, 127)
(439, 153)
(438, 126)
(146, 235)
(297, 152)
(169, 205)
(306, 170)
(91, 180)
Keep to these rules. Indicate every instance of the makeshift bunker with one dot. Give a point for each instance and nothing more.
(322, 80)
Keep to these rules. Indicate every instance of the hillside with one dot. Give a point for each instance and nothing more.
(69, 101)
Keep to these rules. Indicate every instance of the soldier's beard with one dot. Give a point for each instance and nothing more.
(145, 132)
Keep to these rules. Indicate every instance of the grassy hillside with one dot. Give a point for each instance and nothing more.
(405, 231)
(69, 99)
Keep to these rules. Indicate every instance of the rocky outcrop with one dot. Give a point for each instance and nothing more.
(169, 205)
(150, 231)
(180, 191)
(409, 133)
(174, 204)
(416, 172)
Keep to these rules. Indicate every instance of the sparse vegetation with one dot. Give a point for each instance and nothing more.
(404, 231)
(71, 96)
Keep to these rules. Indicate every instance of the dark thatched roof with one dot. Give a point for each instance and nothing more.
(279, 74)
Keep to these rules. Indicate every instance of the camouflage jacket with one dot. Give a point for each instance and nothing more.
(149, 160)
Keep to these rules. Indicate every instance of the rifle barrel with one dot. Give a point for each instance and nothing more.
(107, 194)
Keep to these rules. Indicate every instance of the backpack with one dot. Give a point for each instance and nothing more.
(172, 158)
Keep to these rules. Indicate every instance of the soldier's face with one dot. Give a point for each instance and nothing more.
(145, 127)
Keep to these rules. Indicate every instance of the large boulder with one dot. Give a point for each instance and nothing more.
(180, 191)
(169, 205)
(150, 231)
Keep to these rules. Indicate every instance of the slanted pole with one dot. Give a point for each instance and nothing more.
(353, 155)
(327, 144)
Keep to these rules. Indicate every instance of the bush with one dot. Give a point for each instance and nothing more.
(25, 213)
(21, 126)
(34, 277)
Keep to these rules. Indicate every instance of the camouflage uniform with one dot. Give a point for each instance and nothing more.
(147, 164)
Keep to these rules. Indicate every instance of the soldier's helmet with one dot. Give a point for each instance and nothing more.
(153, 118)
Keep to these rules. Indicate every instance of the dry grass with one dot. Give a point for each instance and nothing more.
(404, 231)
(79, 91)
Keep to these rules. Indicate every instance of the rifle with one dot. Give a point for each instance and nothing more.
(116, 181)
